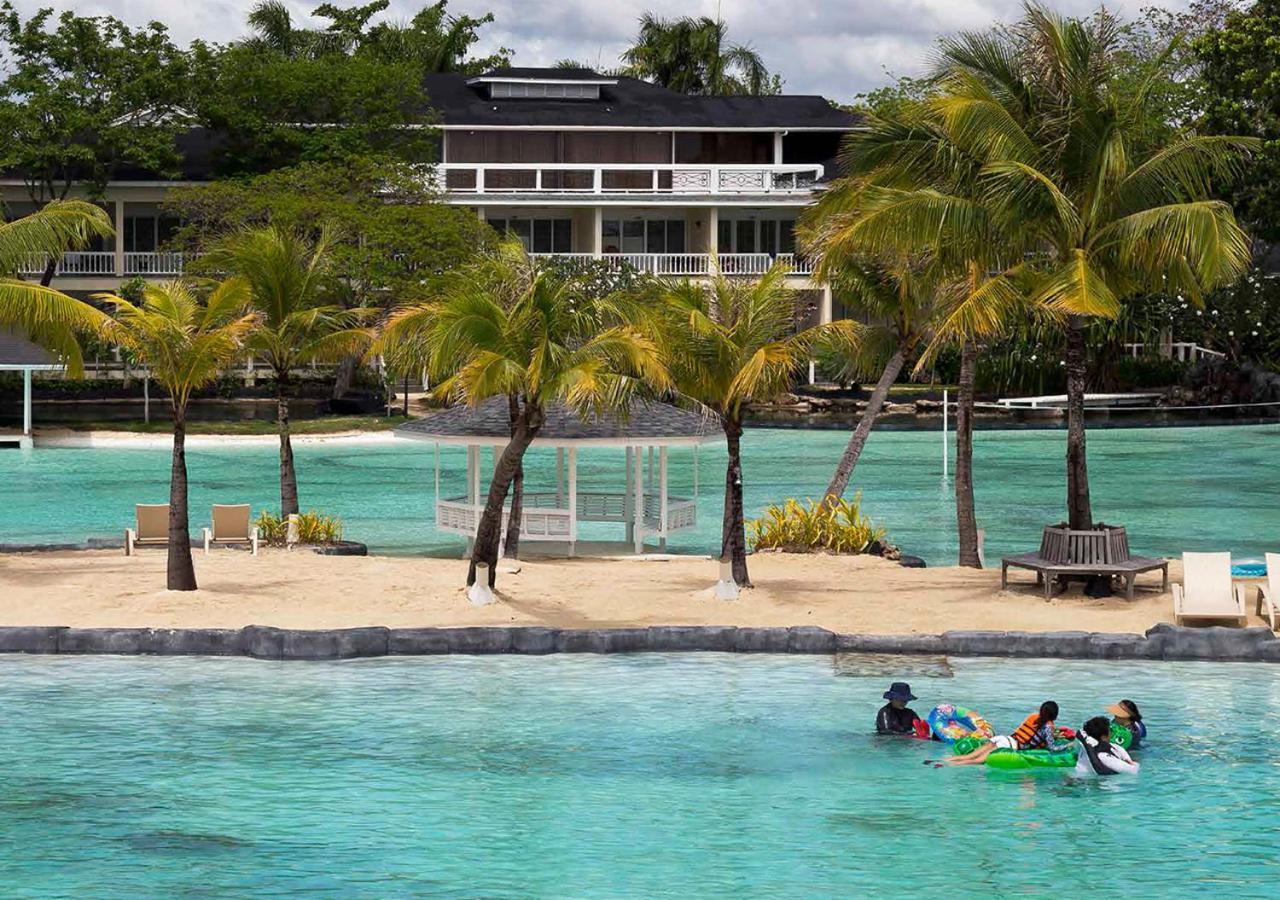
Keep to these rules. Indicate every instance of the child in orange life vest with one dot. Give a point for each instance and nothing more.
(1035, 733)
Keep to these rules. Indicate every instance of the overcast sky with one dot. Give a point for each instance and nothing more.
(833, 47)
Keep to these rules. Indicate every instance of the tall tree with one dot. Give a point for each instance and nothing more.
(288, 282)
(694, 56)
(730, 343)
(185, 344)
(503, 327)
(1064, 166)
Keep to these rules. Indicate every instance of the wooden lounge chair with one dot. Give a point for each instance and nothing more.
(231, 525)
(1206, 591)
(1269, 591)
(152, 520)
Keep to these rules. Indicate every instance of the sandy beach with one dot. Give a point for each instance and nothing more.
(303, 590)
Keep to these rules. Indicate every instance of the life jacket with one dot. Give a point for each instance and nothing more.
(1094, 752)
(1025, 732)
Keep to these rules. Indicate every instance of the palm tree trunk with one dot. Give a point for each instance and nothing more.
(844, 469)
(489, 533)
(181, 571)
(511, 546)
(1079, 511)
(288, 474)
(345, 376)
(733, 533)
(966, 519)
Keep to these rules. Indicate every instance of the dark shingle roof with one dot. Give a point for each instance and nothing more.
(491, 420)
(630, 103)
(18, 351)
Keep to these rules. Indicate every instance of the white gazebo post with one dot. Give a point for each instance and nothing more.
(662, 493)
(559, 476)
(473, 492)
(638, 521)
(628, 493)
(26, 403)
(573, 499)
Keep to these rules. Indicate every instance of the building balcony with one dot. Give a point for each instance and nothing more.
(692, 265)
(626, 178)
(104, 263)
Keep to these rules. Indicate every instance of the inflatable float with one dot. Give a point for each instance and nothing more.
(951, 723)
(1021, 759)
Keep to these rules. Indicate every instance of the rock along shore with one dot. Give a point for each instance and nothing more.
(1163, 641)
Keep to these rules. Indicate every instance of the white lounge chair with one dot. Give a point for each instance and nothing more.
(231, 525)
(1269, 591)
(152, 520)
(1207, 591)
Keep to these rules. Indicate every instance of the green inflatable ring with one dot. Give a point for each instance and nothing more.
(1120, 735)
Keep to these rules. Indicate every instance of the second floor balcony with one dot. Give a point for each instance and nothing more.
(692, 265)
(627, 178)
(109, 264)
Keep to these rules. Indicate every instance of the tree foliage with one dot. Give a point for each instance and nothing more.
(694, 56)
(83, 96)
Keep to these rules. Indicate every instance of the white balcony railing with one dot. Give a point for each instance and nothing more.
(103, 262)
(624, 178)
(692, 264)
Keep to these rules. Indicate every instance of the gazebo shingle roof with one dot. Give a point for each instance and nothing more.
(18, 351)
(644, 420)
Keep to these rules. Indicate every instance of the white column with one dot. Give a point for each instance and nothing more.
(639, 502)
(119, 244)
(573, 498)
(26, 403)
(662, 487)
(473, 490)
(824, 309)
(777, 148)
(559, 477)
(597, 231)
(713, 229)
(437, 446)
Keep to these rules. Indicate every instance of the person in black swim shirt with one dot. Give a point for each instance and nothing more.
(895, 717)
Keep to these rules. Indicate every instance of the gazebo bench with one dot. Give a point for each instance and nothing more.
(1048, 571)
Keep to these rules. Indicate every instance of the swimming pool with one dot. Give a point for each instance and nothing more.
(1174, 488)
(622, 776)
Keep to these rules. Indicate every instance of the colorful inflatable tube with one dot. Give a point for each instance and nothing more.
(1033, 759)
(950, 723)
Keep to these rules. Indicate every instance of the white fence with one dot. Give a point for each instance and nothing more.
(692, 264)
(624, 178)
(1183, 351)
(103, 262)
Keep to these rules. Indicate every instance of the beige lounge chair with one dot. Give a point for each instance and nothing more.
(1269, 591)
(231, 525)
(1207, 591)
(153, 527)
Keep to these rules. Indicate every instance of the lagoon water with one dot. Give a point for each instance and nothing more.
(1175, 489)
(623, 776)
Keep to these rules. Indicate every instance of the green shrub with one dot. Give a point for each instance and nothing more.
(313, 528)
(838, 526)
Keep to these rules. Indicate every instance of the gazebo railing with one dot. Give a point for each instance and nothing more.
(546, 517)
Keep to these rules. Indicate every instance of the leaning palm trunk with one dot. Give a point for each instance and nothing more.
(733, 533)
(844, 469)
(489, 532)
(966, 520)
(1079, 511)
(181, 572)
(288, 474)
(511, 544)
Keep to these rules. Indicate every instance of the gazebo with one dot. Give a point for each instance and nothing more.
(17, 354)
(643, 506)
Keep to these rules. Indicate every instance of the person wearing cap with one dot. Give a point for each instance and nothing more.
(895, 717)
(1126, 713)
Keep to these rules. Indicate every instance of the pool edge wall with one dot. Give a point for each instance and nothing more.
(1162, 642)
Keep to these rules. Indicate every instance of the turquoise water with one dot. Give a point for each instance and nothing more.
(1174, 488)
(624, 776)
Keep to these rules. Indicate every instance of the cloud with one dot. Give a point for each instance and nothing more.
(838, 48)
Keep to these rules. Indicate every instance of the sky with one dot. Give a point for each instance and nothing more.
(838, 48)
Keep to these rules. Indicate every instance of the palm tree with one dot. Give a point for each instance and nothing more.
(1028, 137)
(693, 56)
(288, 282)
(503, 327)
(46, 316)
(727, 344)
(185, 344)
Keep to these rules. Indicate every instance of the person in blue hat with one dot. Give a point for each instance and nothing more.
(895, 717)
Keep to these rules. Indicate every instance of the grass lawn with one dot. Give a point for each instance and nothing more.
(326, 425)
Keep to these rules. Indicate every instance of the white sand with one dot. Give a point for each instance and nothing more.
(304, 590)
(128, 440)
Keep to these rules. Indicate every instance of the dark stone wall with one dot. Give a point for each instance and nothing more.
(264, 642)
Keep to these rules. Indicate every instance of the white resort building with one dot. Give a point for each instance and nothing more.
(573, 162)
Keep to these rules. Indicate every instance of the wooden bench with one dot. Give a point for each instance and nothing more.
(1103, 552)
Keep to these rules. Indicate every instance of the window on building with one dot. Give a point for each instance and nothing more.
(772, 236)
(539, 235)
(643, 236)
